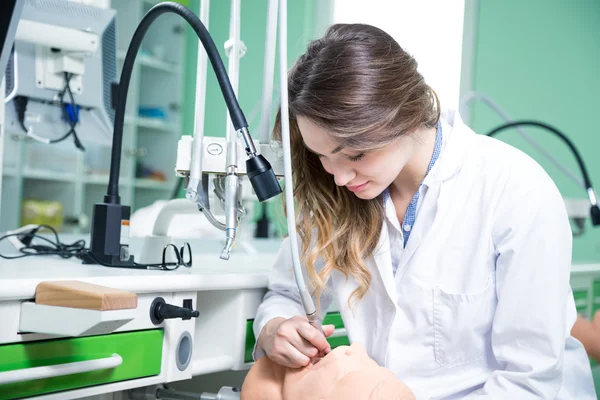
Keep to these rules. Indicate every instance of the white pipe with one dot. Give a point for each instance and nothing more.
(287, 157)
(269, 74)
(51, 371)
(233, 68)
(196, 164)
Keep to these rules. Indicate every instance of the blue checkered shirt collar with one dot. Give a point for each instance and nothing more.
(411, 212)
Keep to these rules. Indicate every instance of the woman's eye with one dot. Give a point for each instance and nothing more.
(357, 157)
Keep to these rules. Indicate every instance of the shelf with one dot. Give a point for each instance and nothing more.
(49, 175)
(148, 61)
(157, 124)
(153, 184)
(153, 123)
(102, 179)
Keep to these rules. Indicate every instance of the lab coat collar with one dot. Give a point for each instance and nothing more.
(456, 137)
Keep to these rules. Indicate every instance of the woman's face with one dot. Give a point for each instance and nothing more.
(366, 174)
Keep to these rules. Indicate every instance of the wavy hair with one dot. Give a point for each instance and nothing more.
(361, 87)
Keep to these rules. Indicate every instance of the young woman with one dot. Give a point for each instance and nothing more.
(449, 252)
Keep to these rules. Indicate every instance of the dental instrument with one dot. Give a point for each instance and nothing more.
(305, 296)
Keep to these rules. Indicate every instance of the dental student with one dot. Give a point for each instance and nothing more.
(449, 252)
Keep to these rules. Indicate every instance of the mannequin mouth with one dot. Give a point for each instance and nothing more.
(357, 188)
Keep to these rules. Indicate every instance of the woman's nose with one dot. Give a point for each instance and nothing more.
(342, 176)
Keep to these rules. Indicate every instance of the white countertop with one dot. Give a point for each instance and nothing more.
(245, 270)
(19, 278)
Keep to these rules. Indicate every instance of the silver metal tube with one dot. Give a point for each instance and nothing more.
(232, 184)
(592, 196)
(213, 220)
(248, 143)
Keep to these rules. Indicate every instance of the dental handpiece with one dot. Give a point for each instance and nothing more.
(313, 318)
(232, 183)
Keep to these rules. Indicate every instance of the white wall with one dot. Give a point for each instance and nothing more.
(430, 30)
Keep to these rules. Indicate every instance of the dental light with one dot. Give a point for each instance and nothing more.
(594, 210)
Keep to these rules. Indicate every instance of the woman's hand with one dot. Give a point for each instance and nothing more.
(293, 342)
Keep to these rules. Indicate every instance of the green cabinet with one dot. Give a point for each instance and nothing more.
(141, 353)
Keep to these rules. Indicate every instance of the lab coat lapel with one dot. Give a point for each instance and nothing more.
(457, 136)
(383, 263)
(425, 219)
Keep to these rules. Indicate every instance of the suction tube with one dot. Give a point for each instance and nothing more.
(307, 301)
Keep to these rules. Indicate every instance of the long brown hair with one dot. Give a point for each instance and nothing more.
(360, 86)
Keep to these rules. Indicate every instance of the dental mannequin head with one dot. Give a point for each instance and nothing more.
(345, 373)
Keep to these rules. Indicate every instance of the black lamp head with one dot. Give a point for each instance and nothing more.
(263, 179)
(595, 215)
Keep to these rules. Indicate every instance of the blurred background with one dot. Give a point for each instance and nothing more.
(492, 60)
(536, 60)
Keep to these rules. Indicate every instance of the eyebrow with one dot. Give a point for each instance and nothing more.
(336, 150)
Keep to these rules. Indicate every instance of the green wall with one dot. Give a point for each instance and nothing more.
(540, 59)
(303, 26)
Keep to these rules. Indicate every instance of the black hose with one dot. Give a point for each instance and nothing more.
(237, 116)
(584, 172)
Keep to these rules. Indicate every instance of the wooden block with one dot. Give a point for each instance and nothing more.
(75, 294)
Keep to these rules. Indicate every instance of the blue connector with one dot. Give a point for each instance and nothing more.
(72, 114)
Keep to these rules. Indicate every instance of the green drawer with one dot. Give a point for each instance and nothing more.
(333, 318)
(141, 352)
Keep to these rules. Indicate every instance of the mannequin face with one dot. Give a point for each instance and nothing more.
(319, 380)
(345, 373)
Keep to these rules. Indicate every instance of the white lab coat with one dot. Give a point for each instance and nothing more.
(480, 306)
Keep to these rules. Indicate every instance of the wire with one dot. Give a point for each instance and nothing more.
(21, 107)
(78, 250)
(55, 247)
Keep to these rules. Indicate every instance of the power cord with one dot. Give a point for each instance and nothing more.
(76, 249)
(70, 114)
(53, 247)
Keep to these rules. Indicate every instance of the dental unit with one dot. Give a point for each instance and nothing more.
(196, 159)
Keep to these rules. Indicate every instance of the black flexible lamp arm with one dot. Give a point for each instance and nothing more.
(594, 210)
(259, 170)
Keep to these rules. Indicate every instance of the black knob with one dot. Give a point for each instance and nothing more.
(160, 310)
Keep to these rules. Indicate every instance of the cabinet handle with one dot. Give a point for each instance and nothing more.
(51, 371)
